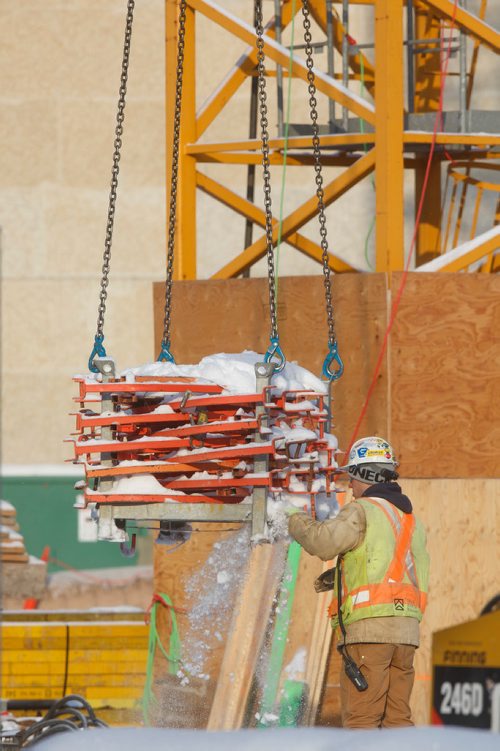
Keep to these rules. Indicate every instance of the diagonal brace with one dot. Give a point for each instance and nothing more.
(248, 210)
(468, 22)
(281, 55)
(332, 191)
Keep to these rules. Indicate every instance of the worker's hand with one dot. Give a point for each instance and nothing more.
(326, 581)
(291, 510)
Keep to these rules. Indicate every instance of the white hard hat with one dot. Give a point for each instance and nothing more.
(371, 460)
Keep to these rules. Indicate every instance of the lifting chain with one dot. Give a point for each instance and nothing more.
(99, 349)
(274, 352)
(165, 354)
(332, 366)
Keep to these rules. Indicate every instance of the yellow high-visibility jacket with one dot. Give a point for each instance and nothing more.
(388, 573)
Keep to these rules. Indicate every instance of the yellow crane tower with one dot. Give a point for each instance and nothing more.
(390, 130)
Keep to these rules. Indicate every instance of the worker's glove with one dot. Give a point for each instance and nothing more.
(291, 510)
(326, 581)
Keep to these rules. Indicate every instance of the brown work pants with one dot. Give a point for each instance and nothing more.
(388, 669)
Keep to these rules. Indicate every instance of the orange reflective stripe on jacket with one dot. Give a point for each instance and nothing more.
(380, 594)
(398, 565)
(392, 590)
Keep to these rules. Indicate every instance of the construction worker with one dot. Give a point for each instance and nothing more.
(382, 571)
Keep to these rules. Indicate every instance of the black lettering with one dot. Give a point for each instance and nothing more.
(463, 657)
(367, 474)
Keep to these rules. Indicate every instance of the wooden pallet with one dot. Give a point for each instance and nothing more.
(12, 548)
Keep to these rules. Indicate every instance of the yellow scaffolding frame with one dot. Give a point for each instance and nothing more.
(387, 151)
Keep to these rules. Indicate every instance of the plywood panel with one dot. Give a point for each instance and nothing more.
(250, 620)
(442, 415)
(203, 581)
(230, 316)
(445, 375)
(463, 533)
(361, 302)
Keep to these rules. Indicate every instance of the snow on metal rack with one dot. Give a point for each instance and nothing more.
(177, 448)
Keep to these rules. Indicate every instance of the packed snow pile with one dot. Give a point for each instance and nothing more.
(205, 433)
(234, 372)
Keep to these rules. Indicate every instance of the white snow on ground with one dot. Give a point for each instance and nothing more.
(303, 739)
(235, 372)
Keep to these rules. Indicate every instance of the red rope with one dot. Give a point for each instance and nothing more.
(399, 293)
(158, 598)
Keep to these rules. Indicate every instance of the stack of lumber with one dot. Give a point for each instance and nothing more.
(101, 656)
(308, 633)
(22, 575)
(12, 548)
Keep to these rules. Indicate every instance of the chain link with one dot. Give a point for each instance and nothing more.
(174, 176)
(115, 171)
(317, 167)
(264, 133)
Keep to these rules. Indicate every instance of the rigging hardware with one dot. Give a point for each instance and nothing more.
(165, 354)
(99, 349)
(274, 353)
(332, 366)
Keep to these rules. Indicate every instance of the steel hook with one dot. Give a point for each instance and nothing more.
(128, 550)
(97, 351)
(165, 354)
(331, 358)
(274, 351)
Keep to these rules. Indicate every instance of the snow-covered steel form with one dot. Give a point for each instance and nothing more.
(165, 443)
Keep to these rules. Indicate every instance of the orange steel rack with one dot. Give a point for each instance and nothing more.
(181, 449)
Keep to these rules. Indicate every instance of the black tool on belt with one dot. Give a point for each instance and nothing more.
(351, 669)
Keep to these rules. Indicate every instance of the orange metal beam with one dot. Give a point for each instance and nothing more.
(427, 67)
(389, 241)
(428, 63)
(428, 241)
(300, 216)
(171, 16)
(185, 256)
(337, 159)
(474, 56)
(294, 142)
(281, 56)
(245, 66)
(358, 62)
(460, 258)
(390, 140)
(250, 211)
(459, 139)
(185, 229)
(468, 22)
